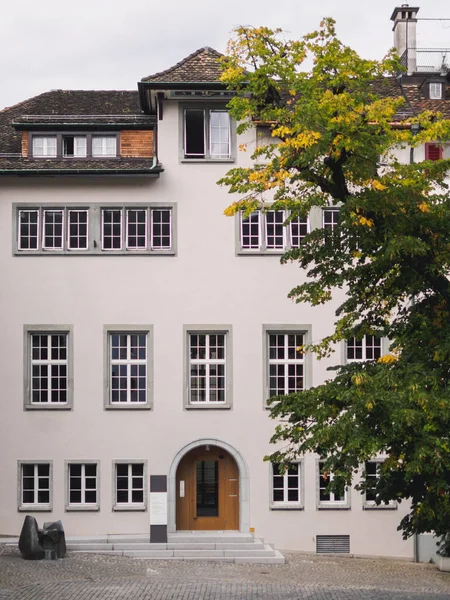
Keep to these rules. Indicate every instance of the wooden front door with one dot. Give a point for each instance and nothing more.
(207, 490)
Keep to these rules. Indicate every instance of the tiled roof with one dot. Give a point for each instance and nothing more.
(43, 166)
(201, 66)
(65, 102)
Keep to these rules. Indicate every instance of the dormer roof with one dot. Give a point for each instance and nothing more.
(202, 66)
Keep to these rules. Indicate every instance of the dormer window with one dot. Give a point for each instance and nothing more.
(207, 134)
(74, 146)
(104, 145)
(67, 145)
(44, 146)
(435, 91)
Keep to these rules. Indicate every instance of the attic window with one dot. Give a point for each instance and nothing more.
(435, 90)
(44, 145)
(433, 152)
(207, 134)
(74, 145)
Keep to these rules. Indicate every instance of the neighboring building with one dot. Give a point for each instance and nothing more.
(144, 331)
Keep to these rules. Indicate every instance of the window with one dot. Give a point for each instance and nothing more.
(35, 486)
(69, 145)
(82, 486)
(369, 348)
(435, 90)
(330, 218)
(327, 498)
(130, 492)
(138, 229)
(53, 229)
(371, 474)
(268, 231)
(129, 367)
(28, 230)
(77, 229)
(207, 353)
(207, 133)
(433, 151)
(286, 363)
(286, 486)
(104, 146)
(208, 368)
(44, 146)
(74, 146)
(48, 367)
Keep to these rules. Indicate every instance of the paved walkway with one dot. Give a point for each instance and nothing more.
(311, 577)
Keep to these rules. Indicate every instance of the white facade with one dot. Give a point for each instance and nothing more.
(205, 286)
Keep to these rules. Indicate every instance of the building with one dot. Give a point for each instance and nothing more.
(145, 330)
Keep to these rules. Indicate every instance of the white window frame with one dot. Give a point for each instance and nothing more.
(154, 246)
(130, 505)
(104, 146)
(76, 146)
(208, 330)
(44, 223)
(83, 505)
(286, 362)
(207, 135)
(371, 504)
(332, 503)
(35, 506)
(129, 362)
(127, 233)
(45, 146)
(331, 225)
(116, 210)
(349, 345)
(38, 225)
(47, 330)
(71, 211)
(286, 504)
(262, 246)
(128, 330)
(208, 363)
(435, 90)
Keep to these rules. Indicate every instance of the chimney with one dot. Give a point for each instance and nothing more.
(405, 20)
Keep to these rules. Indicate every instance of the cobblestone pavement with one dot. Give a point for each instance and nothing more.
(311, 577)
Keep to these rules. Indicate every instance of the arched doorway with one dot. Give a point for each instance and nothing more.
(207, 490)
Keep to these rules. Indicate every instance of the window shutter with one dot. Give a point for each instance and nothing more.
(433, 152)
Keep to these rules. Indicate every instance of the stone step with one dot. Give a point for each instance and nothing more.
(80, 546)
(208, 539)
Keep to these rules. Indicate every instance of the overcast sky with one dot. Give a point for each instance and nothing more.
(111, 44)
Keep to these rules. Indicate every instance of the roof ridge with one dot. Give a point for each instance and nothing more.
(183, 61)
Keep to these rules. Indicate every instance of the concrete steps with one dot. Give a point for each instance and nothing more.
(204, 546)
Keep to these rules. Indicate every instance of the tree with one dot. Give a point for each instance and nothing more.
(334, 131)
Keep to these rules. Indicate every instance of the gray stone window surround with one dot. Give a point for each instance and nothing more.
(129, 507)
(337, 505)
(34, 507)
(59, 143)
(207, 104)
(267, 329)
(227, 330)
(287, 506)
(94, 229)
(370, 504)
(81, 507)
(127, 329)
(315, 221)
(28, 331)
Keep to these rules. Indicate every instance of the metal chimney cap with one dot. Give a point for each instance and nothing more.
(401, 8)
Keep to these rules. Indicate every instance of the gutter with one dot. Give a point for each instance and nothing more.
(154, 170)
